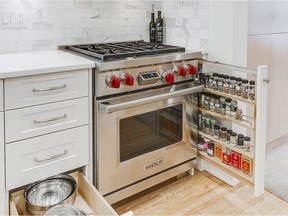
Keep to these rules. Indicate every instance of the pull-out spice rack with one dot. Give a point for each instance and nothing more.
(250, 168)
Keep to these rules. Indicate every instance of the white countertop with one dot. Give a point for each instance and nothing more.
(40, 62)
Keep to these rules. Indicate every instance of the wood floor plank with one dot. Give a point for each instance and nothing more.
(202, 194)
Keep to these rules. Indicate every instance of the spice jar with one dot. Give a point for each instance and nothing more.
(240, 141)
(244, 89)
(252, 90)
(238, 86)
(212, 104)
(202, 100)
(215, 81)
(247, 144)
(217, 106)
(217, 131)
(239, 114)
(207, 125)
(210, 150)
(213, 122)
(200, 145)
(233, 109)
(207, 102)
(210, 85)
(203, 122)
(223, 133)
(226, 84)
(222, 106)
(227, 109)
(220, 82)
(206, 143)
(205, 80)
(229, 132)
(232, 85)
(233, 139)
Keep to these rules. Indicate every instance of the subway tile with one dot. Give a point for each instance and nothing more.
(43, 44)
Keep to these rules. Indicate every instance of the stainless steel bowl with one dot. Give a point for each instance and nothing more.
(42, 195)
(63, 210)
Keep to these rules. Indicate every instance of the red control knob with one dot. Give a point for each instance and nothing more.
(182, 71)
(128, 80)
(169, 78)
(113, 82)
(192, 69)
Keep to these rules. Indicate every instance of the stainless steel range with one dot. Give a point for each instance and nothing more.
(145, 114)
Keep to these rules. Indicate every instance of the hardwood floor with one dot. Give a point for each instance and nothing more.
(202, 194)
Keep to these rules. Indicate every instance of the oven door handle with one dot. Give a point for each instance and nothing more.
(116, 107)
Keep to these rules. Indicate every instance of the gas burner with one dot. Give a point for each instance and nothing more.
(120, 50)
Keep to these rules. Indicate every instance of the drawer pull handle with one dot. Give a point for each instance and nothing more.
(51, 157)
(50, 119)
(50, 88)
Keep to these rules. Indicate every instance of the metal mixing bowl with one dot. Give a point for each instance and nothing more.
(63, 210)
(42, 195)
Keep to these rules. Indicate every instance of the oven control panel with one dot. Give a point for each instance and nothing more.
(148, 78)
(136, 78)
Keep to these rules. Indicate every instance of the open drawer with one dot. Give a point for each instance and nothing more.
(88, 199)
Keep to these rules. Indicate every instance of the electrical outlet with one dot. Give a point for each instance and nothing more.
(12, 18)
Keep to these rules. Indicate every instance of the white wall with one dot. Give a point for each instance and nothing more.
(268, 44)
(56, 22)
(228, 32)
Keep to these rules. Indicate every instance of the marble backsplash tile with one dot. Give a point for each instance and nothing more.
(53, 22)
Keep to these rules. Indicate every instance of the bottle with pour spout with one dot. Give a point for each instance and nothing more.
(152, 27)
(159, 28)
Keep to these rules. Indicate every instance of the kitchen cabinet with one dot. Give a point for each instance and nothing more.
(244, 165)
(87, 199)
(2, 155)
(48, 130)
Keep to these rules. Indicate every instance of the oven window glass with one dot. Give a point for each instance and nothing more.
(150, 131)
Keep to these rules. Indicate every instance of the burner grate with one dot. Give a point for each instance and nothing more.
(119, 50)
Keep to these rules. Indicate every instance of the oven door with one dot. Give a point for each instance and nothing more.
(143, 134)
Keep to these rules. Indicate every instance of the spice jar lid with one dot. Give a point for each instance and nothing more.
(252, 82)
(229, 131)
(213, 121)
(222, 100)
(238, 79)
(220, 75)
(245, 81)
(234, 134)
(232, 78)
(217, 127)
(240, 136)
(234, 103)
(223, 129)
(247, 138)
(226, 77)
(228, 100)
(215, 74)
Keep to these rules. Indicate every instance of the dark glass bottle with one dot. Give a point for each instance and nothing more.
(159, 29)
(152, 28)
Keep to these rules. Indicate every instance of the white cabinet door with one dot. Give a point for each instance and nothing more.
(42, 89)
(1, 95)
(3, 198)
(38, 120)
(37, 158)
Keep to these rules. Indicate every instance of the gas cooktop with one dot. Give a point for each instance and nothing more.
(120, 50)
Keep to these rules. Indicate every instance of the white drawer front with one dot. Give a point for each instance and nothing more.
(32, 159)
(1, 95)
(34, 90)
(37, 120)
